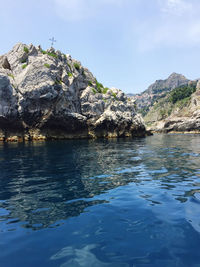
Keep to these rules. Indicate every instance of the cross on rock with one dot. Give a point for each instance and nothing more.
(52, 41)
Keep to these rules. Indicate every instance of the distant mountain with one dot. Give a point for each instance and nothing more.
(158, 90)
(130, 94)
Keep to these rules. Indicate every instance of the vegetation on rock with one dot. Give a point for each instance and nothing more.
(99, 86)
(158, 90)
(90, 83)
(11, 75)
(26, 50)
(43, 52)
(48, 53)
(175, 105)
(105, 90)
(61, 102)
(114, 95)
(24, 66)
(181, 93)
(52, 55)
(94, 91)
(47, 65)
(76, 66)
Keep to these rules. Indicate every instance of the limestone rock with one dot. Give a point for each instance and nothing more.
(4, 62)
(157, 90)
(198, 85)
(49, 95)
(179, 117)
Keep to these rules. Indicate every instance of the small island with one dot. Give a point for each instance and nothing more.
(48, 95)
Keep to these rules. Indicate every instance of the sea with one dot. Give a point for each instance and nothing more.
(92, 203)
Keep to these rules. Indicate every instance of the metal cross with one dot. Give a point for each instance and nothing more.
(52, 41)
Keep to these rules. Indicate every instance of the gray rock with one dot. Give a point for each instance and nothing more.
(157, 90)
(49, 95)
(198, 85)
(183, 117)
(4, 62)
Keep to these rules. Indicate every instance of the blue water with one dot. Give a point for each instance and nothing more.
(127, 202)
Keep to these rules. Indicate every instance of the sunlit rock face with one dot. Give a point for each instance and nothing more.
(49, 95)
(183, 117)
(186, 119)
(157, 90)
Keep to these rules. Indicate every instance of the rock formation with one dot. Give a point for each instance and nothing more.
(181, 116)
(49, 95)
(158, 90)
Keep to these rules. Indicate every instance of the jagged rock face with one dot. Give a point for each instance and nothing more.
(158, 90)
(46, 94)
(183, 118)
(173, 81)
(190, 121)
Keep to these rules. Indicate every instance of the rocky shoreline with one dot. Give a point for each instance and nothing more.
(47, 95)
(183, 116)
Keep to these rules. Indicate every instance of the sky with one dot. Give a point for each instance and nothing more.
(127, 44)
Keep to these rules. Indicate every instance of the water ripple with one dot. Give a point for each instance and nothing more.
(104, 202)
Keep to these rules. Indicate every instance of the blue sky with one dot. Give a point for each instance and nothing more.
(127, 44)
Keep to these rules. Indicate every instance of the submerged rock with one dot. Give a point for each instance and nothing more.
(49, 95)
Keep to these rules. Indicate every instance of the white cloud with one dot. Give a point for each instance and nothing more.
(176, 7)
(83, 9)
(164, 23)
(176, 24)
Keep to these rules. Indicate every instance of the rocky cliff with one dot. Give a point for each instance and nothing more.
(49, 95)
(178, 111)
(158, 90)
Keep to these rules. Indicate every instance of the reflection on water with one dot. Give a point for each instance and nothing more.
(104, 203)
(82, 257)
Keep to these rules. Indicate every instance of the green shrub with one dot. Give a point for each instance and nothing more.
(43, 52)
(69, 74)
(105, 90)
(76, 66)
(48, 53)
(83, 73)
(183, 102)
(99, 90)
(114, 95)
(26, 49)
(24, 66)
(47, 65)
(181, 93)
(99, 86)
(52, 55)
(94, 91)
(90, 83)
(163, 113)
(11, 75)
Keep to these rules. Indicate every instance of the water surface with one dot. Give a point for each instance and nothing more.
(126, 202)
